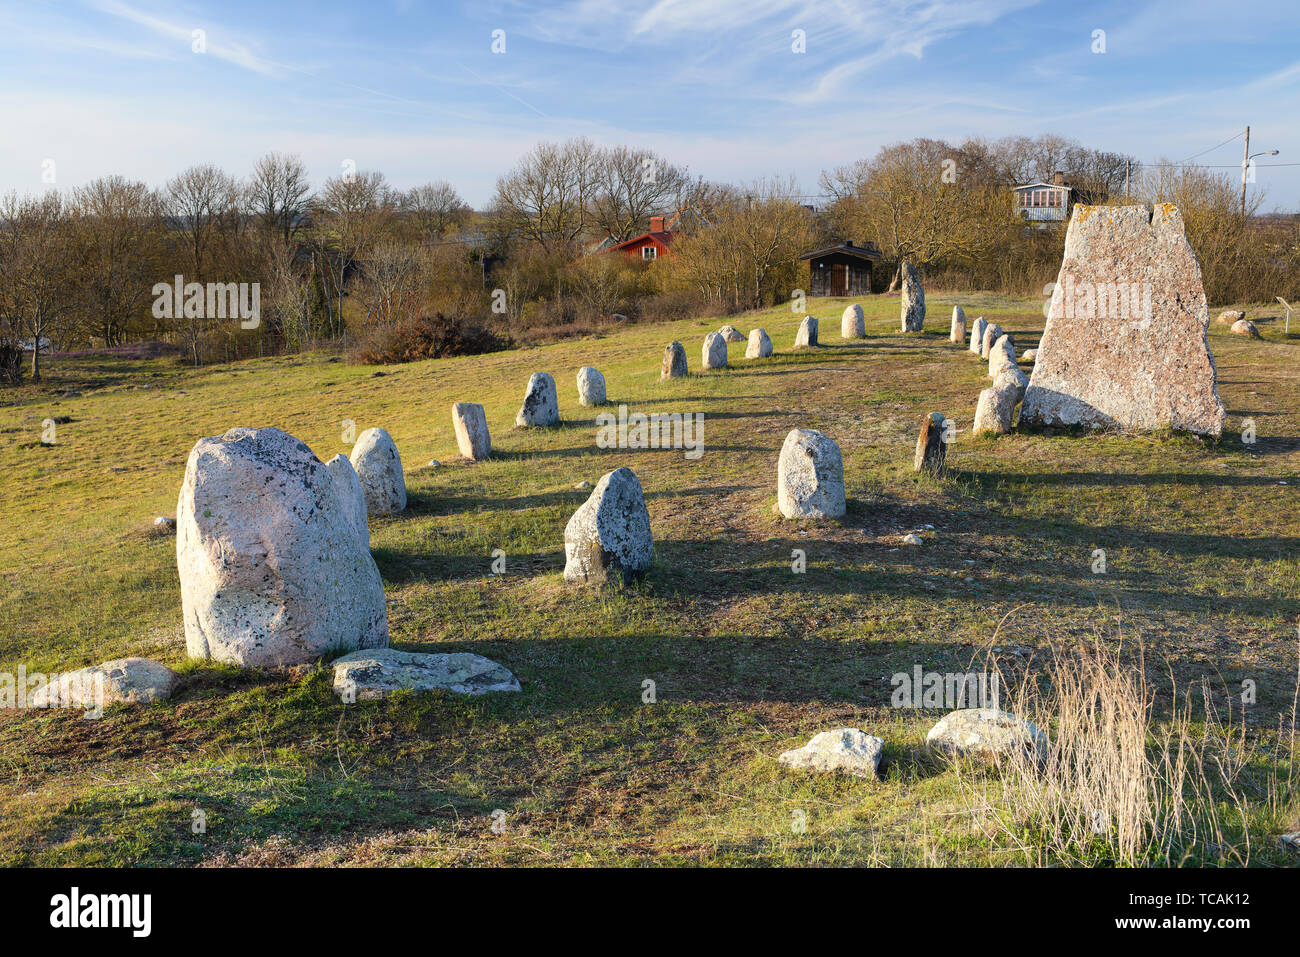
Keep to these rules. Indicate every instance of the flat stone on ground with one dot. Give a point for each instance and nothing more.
(367, 675)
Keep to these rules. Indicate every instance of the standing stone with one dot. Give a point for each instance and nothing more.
(853, 324)
(810, 476)
(996, 408)
(714, 355)
(992, 333)
(1125, 345)
(958, 332)
(541, 406)
(913, 300)
(731, 334)
(610, 534)
(760, 346)
(591, 386)
(272, 570)
(379, 467)
(807, 334)
(1244, 327)
(977, 336)
(1016, 377)
(353, 496)
(1001, 355)
(931, 449)
(472, 438)
(844, 749)
(674, 363)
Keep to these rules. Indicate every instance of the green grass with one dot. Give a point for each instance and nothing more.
(748, 659)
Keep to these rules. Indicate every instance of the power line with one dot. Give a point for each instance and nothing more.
(1212, 148)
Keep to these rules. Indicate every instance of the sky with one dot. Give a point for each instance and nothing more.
(415, 89)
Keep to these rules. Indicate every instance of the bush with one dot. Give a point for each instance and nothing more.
(427, 337)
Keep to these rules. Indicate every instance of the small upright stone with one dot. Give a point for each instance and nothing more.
(1014, 375)
(541, 406)
(348, 484)
(609, 535)
(470, 423)
(759, 346)
(977, 336)
(913, 300)
(992, 333)
(958, 332)
(931, 449)
(996, 408)
(379, 467)
(591, 386)
(853, 324)
(714, 354)
(731, 333)
(674, 363)
(810, 476)
(807, 334)
(1001, 355)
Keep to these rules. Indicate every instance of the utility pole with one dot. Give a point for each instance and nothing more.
(1245, 163)
(1128, 164)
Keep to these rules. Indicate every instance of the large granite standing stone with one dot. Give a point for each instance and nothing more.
(353, 496)
(913, 300)
(379, 467)
(1125, 345)
(996, 408)
(807, 333)
(853, 324)
(609, 535)
(472, 438)
(591, 386)
(931, 449)
(272, 569)
(759, 345)
(847, 750)
(977, 335)
(810, 476)
(674, 362)
(957, 333)
(121, 681)
(714, 353)
(367, 675)
(541, 405)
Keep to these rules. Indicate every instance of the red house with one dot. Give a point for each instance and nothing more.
(648, 246)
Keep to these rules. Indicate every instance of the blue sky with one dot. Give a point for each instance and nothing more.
(414, 89)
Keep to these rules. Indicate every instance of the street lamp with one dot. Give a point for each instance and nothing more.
(1245, 165)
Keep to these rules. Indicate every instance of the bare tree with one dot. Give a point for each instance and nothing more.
(36, 263)
(279, 192)
(198, 200)
(631, 184)
(393, 277)
(547, 197)
(435, 209)
(353, 212)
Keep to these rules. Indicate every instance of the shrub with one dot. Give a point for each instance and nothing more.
(427, 337)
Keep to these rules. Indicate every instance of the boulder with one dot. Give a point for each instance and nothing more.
(272, 568)
(1125, 345)
(957, 334)
(714, 354)
(996, 408)
(541, 405)
(844, 749)
(1029, 355)
(931, 449)
(379, 467)
(1229, 316)
(807, 333)
(985, 735)
(470, 423)
(992, 333)
(609, 535)
(366, 675)
(591, 386)
(913, 300)
(853, 324)
(810, 476)
(760, 346)
(977, 336)
(121, 681)
(674, 362)
(731, 334)
(1244, 327)
(348, 485)
(1002, 355)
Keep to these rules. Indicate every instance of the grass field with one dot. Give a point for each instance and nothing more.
(748, 658)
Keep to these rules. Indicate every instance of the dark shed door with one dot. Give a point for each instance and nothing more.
(839, 280)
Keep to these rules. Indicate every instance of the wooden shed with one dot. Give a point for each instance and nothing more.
(843, 270)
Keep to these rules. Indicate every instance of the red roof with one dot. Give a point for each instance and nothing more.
(659, 238)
